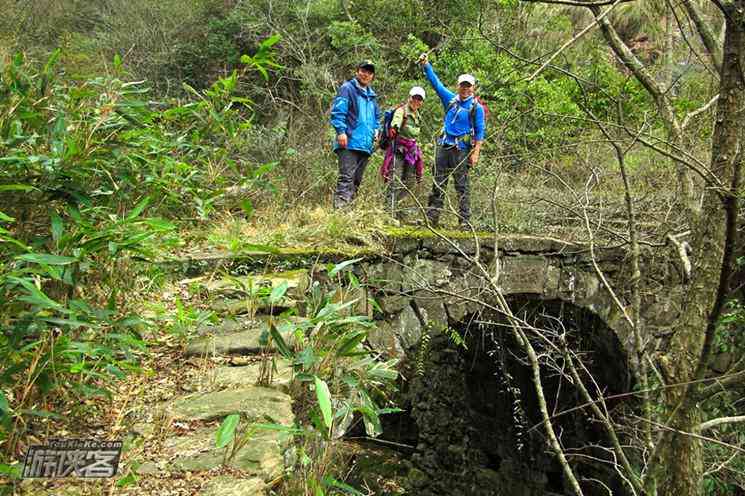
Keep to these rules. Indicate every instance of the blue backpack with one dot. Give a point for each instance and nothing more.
(385, 137)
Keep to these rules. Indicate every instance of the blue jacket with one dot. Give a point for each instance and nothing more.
(355, 112)
(457, 121)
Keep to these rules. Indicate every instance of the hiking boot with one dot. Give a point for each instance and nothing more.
(339, 204)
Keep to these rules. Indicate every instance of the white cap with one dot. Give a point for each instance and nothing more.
(467, 78)
(417, 90)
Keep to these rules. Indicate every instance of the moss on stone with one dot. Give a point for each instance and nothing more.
(413, 232)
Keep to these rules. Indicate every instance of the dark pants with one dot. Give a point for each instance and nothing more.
(401, 182)
(352, 165)
(450, 162)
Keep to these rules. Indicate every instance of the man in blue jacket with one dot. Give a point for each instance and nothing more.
(354, 115)
(459, 145)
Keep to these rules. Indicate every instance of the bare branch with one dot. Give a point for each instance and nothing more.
(721, 383)
(634, 481)
(710, 424)
(573, 40)
(579, 4)
(690, 115)
(682, 249)
(553, 440)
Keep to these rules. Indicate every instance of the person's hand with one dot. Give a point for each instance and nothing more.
(474, 157)
(392, 133)
(342, 140)
(423, 59)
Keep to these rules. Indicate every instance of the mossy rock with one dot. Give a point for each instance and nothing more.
(256, 403)
(261, 457)
(251, 306)
(233, 336)
(297, 283)
(248, 375)
(224, 485)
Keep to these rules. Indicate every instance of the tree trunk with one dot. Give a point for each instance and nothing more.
(680, 470)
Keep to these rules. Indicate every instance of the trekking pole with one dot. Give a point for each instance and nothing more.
(394, 146)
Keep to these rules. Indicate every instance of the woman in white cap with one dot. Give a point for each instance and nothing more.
(459, 145)
(403, 157)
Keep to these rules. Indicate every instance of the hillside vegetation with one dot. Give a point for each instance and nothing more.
(133, 131)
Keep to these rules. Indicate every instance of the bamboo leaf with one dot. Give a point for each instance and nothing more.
(45, 258)
(272, 40)
(342, 265)
(139, 208)
(345, 488)
(248, 207)
(350, 343)
(284, 350)
(57, 227)
(278, 293)
(324, 401)
(17, 187)
(226, 432)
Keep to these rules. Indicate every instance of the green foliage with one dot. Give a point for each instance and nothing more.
(101, 157)
(412, 48)
(331, 351)
(264, 57)
(106, 145)
(423, 353)
(352, 41)
(728, 346)
(337, 377)
(53, 339)
(226, 432)
(233, 436)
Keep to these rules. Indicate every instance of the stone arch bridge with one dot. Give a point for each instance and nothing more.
(426, 280)
(460, 414)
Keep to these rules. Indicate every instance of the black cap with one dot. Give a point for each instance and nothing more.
(367, 64)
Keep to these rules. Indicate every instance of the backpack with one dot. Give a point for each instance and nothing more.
(472, 111)
(385, 136)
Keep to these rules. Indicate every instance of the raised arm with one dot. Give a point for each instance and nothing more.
(445, 94)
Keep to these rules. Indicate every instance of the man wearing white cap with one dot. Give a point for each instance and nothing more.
(459, 145)
(403, 157)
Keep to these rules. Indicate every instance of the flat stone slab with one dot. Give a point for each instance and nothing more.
(256, 403)
(251, 306)
(233, 336)
(248, 375)
(230, 325)
(297, 282)
(261, 457)
(224, 485)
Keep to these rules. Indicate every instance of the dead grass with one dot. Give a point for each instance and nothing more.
(532, 200)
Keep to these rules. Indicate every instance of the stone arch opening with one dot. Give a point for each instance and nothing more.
(475, 407)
